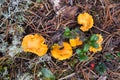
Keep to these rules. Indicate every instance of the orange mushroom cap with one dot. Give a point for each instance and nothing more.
(99, 41)
(75, 42)
(62, 54)
(35, 44)
(100, 38)
(85, 20)
(91, 49)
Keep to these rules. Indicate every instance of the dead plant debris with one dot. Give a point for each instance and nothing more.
(50, 18)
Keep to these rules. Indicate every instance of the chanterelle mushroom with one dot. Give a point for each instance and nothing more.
(62, 52)
(35, 44)
(85, 20)
(99, 42)
(75, 42)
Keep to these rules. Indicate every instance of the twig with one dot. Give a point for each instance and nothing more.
(68, 76)
(107, 43)
(101, 30)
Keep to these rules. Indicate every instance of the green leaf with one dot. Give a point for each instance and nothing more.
(86, 48)
(38, 0)
(75, 31)
(95, 45)
(47, 74)
(79, 51)
(67, 33)
(83, 57)
(100, 68)
(67, 30)
(85, 40)
(109, 56)
(94, 38)
(118, 54)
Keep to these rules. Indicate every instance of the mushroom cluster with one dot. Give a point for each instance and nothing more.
(35, 44)
(99, 42)
(85, 20)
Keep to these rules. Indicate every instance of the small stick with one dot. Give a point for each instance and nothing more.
(66, 77)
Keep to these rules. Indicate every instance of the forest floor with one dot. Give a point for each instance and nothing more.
(50, 18)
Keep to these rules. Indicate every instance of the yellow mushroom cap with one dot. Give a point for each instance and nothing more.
(85, 20)
(35, 44)
(75, 42)
(62, 54)
(100, 38)
(91, 49)
(99, 41)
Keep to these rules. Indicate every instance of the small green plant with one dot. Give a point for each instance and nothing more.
(81, 54)
(88, 43)
(70, 33)
(67, 33)
(93, 38)
(93, 41)
(47, 74)
(118, 54)
(100, 68)
(108, 56)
